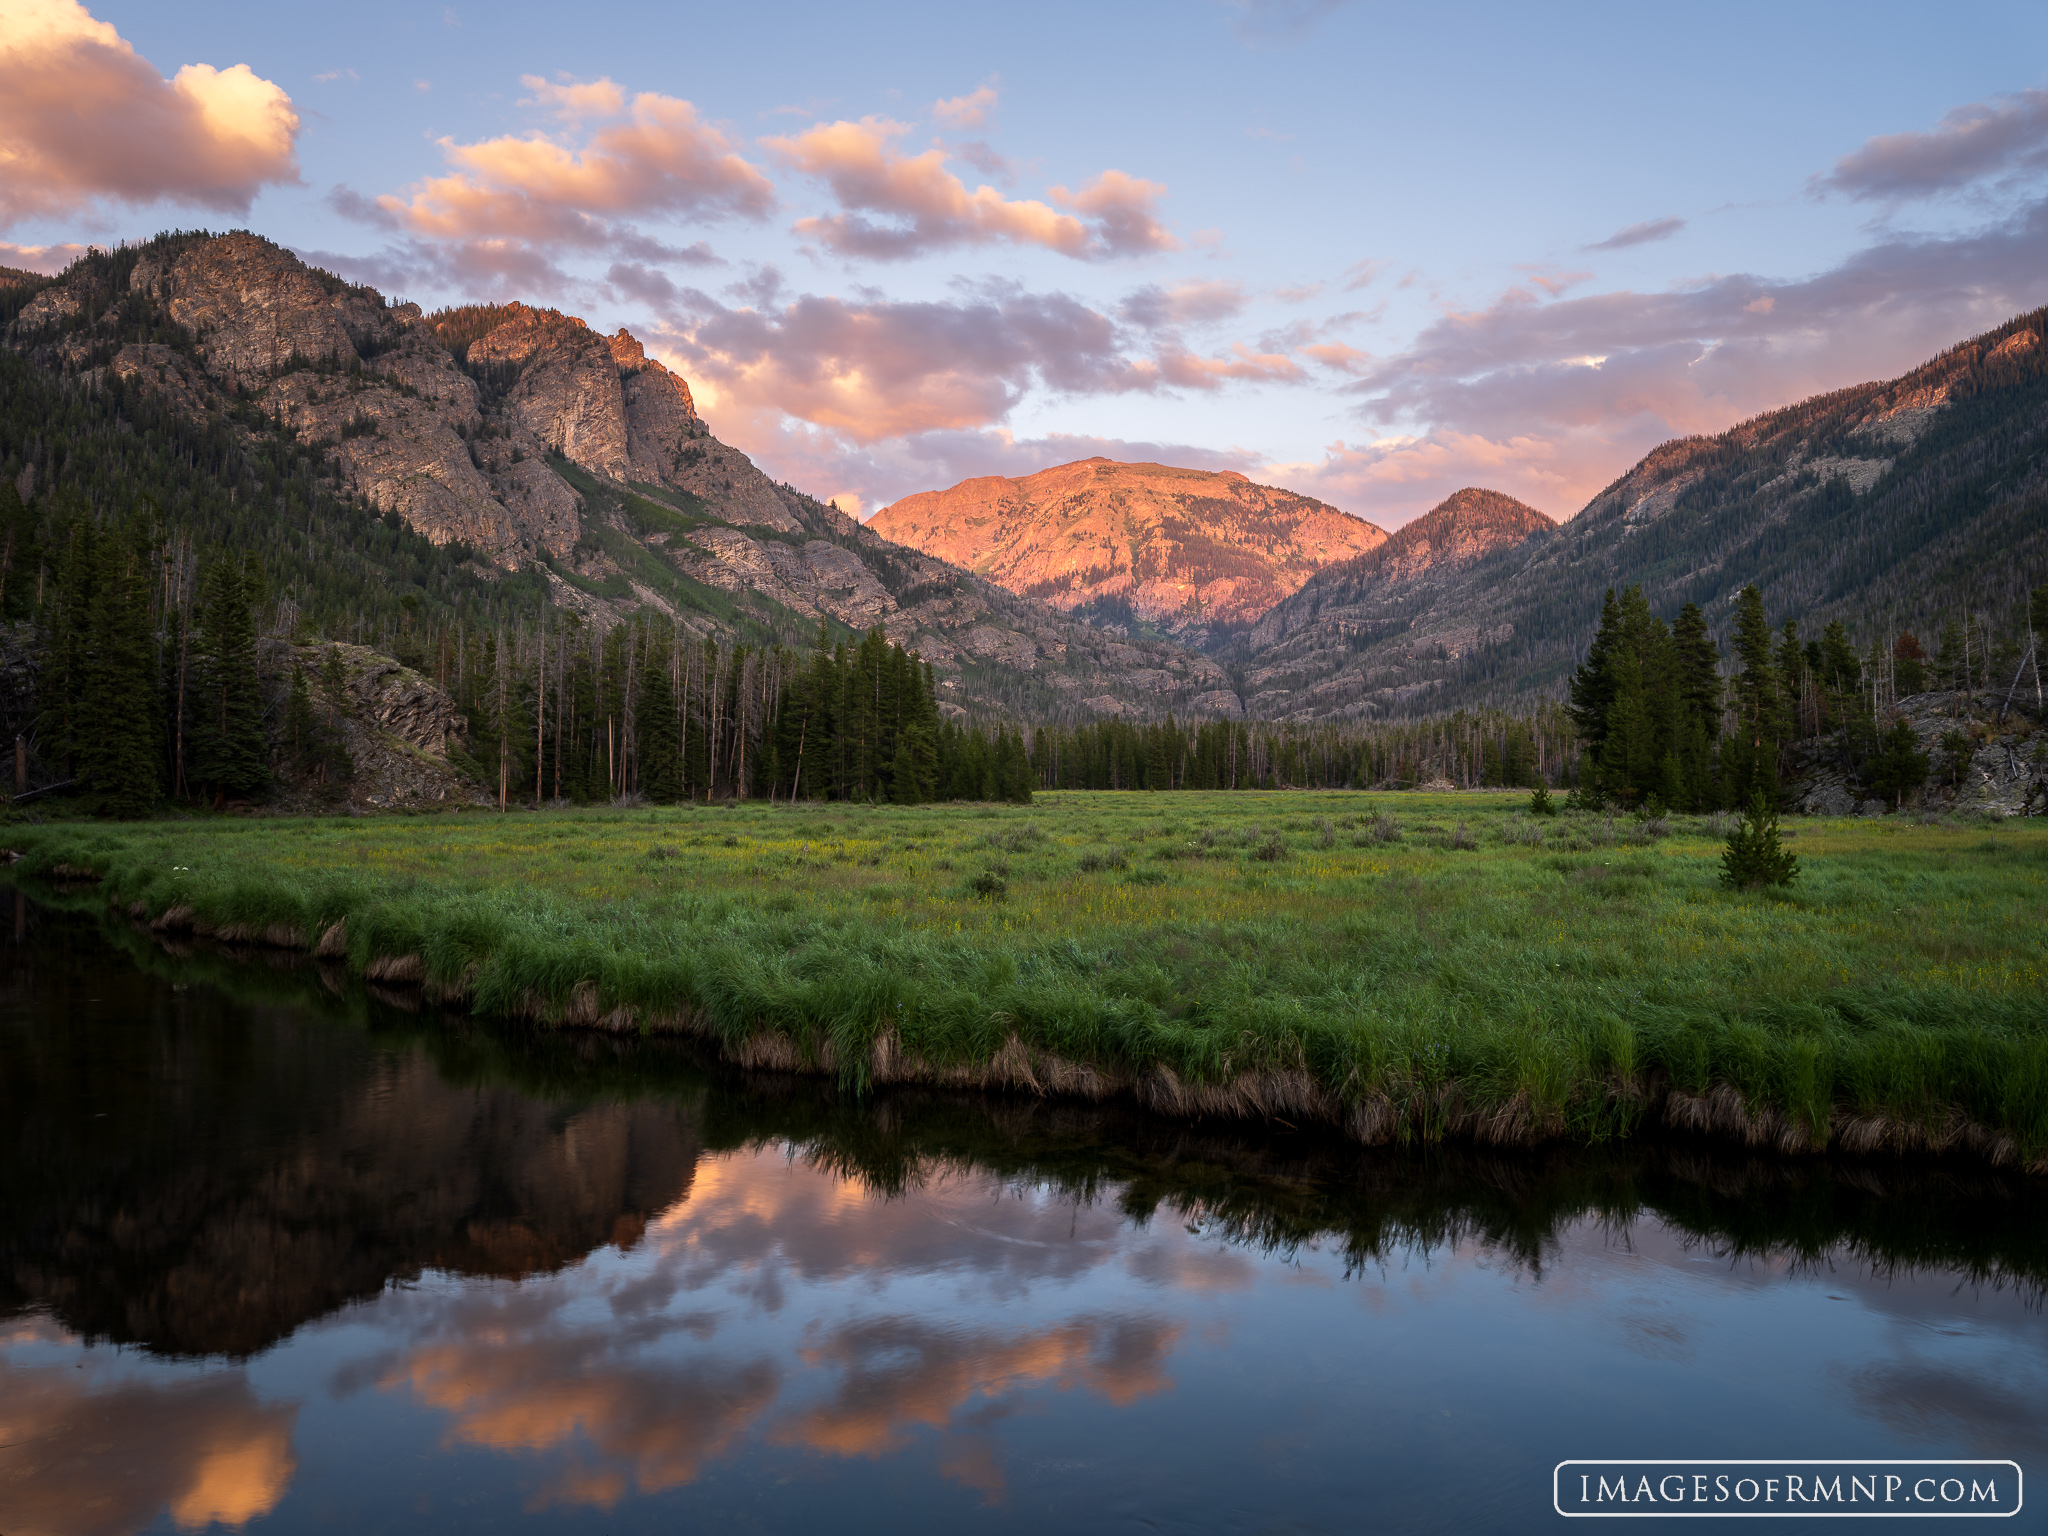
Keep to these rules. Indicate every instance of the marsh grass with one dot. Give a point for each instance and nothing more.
(1904, 976)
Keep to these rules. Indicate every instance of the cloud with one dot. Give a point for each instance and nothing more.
(1549, 401)
(660, 161)
(964, 112)
(1362, 274)
(1639, 234)
(99, 1456)
(1283, 21)
(1155, 308)
(83, 116)
(46, 259)
(897, 205)
(900, 1371)
(1981, 139)
(1124, 207)
(880, 368)
(575, 100)
(1334, 354)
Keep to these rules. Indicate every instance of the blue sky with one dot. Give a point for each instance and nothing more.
(1366, 252)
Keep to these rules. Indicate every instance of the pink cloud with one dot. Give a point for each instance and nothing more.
(46, 259)
(575, 100)
(965, 112)
(662, 160)
(83, 116)
(1189, 303)
(898, 205)
(1124, 210)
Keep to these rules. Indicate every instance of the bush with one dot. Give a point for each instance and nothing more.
(1094, 863)
(989, 885)
(1754, 857)
(1461, 837)
(1540, 803)
(1271, 850)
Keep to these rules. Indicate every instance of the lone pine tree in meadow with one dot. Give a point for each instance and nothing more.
(1754, 857)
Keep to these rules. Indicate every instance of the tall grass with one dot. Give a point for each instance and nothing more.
(1426, 951)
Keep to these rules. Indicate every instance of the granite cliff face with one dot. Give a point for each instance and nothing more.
(529, 439)
(1180, 550)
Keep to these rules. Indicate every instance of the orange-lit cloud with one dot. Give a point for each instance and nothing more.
(963, 112)
(659, 160)
(899, 1371)
(899, 205)
(86, 1460)
(551, 1388)
(83, 116)
(575, 100)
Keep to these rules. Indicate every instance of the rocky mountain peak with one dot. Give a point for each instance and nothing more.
(1146, 544)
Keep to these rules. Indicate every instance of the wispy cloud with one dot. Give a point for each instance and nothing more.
(897, 205)
(1645, 233)
(1969, 144)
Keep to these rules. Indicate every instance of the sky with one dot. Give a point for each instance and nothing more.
(1370, 253)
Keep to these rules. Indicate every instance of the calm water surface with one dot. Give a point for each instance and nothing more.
(278, 1255)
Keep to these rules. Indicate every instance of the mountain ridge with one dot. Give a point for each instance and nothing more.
(1139, 544)
(1897, 502)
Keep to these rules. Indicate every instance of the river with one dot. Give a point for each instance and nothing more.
(279, 1254)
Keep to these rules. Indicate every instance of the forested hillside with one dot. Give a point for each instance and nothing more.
(1895, 506)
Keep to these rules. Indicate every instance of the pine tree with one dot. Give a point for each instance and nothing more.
(1592, 684)
(301, 725)
(1754, 857)
(1899, 765)
(1749, 756)
(229, 752)
(654, 720)
(1909, 665)
(118, 707)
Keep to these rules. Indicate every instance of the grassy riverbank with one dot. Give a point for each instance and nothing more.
(1407, 965)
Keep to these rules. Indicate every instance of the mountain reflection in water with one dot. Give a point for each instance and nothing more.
(276, 1257)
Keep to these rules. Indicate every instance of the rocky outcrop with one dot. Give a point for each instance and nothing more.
(398, 727)
(255, 310)
(2005, 772)
(1179, 549)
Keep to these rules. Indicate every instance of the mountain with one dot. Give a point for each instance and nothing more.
(1347, 604)
(1888, 505)
(1182, 551)
(530, 455)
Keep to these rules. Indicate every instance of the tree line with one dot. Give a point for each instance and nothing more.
(1661, 725)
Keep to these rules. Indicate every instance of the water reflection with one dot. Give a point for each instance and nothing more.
(92, 1454)
(358, 1266)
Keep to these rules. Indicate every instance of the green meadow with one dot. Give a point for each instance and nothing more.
(1419, 950)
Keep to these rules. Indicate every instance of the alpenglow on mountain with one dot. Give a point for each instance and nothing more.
(1178, 550)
